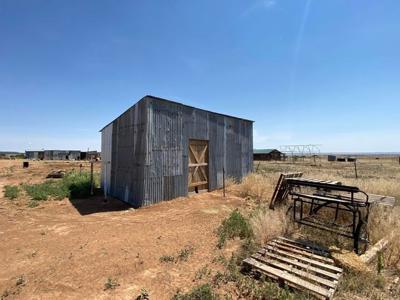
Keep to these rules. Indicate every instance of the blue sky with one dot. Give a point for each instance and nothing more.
(307, 71)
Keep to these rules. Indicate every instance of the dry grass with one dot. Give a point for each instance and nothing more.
(377, 176)
(374, 176)
(268, 224)
(385, 223)
(254, 186)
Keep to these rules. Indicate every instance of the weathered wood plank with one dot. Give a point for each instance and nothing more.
(194, 184)
(304, 259)
(292, 269)
(305, 244)
(198, 165)
(290, 279)
(306, 248)
(372, 252)
(381, 200)
(298, 250)
(304, 266)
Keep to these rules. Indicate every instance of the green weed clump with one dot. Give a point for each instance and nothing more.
(182, 256)
(78, 184)
(167, 259)
(236, 225)
(11, 191)
(44, 191)
(73, 185)
(184, 253)
(202, 292)
(111, 284)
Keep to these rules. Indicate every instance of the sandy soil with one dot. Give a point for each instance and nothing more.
(68, 249)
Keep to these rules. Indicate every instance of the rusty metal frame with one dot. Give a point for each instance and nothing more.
(323, 197)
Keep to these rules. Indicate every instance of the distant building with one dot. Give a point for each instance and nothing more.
(331, 157)
(268, 154)
(34, 155)
(53, 155)
(90, 155)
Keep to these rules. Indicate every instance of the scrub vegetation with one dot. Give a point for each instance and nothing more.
(73, 185)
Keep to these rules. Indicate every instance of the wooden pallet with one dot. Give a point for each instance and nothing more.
(298, 264)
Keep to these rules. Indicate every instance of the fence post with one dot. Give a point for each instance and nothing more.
(223, 179)
(91, 178)
(355, 168)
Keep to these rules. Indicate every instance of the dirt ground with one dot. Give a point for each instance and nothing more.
(68, 249)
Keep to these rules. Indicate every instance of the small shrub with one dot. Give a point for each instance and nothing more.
(33, 203)
(11, 191)
(202, 292)
(73, 185)
(78, 184)
(220, 259)
(44, 191)
(204, 272)
(144, 295)
(218, 279)
(20, 281)
(111, 284)
(167, 259)
(380, 282)
(234, 226)
(184, 254)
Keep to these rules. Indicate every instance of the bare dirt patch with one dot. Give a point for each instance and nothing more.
(67, 249)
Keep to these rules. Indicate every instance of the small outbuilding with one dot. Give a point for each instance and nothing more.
(331, 157)
(159, 150)
(34, 155)
(267, 154)
(62, 154)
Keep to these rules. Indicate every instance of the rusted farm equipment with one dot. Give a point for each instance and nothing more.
(308, 197)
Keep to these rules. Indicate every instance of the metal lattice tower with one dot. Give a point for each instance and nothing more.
(311, 151)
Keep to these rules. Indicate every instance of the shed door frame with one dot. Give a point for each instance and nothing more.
(198, 171)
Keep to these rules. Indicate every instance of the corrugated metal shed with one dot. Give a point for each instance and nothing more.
(149, 147)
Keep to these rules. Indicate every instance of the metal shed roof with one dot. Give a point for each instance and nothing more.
(178, 103)
(264, 151)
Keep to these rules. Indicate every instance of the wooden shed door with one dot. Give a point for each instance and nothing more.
(198, 165)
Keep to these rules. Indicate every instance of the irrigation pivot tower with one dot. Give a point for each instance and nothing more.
(311, 151)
